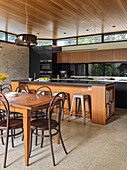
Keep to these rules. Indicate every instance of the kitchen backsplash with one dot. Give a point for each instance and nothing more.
(118, 69)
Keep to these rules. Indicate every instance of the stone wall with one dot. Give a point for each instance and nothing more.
(14, 60)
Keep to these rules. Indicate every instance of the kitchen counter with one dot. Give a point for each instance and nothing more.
(68, 82)
(95, 89)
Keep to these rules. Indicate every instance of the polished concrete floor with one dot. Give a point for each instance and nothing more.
(90, 147)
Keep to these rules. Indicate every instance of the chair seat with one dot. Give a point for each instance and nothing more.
(43, 124)
(14, 124)
(38, 114)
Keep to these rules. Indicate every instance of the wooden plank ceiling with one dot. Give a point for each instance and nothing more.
(51, 18)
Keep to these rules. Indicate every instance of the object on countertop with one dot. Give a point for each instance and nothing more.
(30, 79)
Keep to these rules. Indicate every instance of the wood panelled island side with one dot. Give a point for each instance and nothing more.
(102, 94)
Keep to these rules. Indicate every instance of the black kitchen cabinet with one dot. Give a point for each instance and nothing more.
(45, 55)
(34, 61)
(121, 95)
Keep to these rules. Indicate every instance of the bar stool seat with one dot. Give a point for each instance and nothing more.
(82, 97)
(67, 98)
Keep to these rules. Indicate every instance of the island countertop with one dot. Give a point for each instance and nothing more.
(68, 82)
(96, 90)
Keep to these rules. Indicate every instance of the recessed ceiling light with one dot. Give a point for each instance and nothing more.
(38, 33)
(87, 29)
(114, 26)
(65, 33)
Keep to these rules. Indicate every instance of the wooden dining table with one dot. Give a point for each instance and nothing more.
(26, 104)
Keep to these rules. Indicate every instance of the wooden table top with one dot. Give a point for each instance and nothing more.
(29, 101)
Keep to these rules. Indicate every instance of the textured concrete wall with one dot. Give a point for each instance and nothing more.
(14, 60)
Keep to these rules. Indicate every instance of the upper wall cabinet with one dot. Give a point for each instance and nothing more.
(111, 55)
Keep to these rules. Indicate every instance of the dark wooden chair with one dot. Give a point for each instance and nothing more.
(43, 90)
(51, 122)
(8, 124)
(22, 88)
(6, 87)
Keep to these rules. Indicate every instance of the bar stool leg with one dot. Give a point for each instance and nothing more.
(77, 106)
(88, 104)
(63, 113)
(71, 108)
(68, 103)
(83, 109)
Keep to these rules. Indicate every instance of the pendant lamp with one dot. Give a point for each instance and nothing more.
(26, 39)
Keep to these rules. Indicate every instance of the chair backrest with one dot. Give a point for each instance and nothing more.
(6, 87)
(5, 112)
(44, 90)
(56, 103)
(22, 88)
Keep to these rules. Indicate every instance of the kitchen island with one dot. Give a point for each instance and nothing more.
(102, 94)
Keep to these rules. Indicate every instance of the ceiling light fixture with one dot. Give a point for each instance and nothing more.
(26, 39)
(65, 33)
(113, 26)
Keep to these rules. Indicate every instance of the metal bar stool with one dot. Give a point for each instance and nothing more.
(67, 98)
(81, 97)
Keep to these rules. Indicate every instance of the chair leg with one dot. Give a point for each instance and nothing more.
(62, 142)
(42, 139)
(6, 148)
(14, 133)
(36, 137)
(23, 136)
(51, 145)
(2, 139)
(31, 134)
(12, 138)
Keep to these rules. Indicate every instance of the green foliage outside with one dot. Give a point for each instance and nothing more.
(111, 70)
(11, 38)
(88, 40)
(96, 69)
(115, 37)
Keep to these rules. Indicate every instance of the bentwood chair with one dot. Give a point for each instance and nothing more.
(43, 90)
(22, 88)
(6, 87)
(8, 124)
(51, 122)
(68, 102)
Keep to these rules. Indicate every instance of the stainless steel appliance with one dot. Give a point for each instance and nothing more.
(45, 68)
(45, 65)
(63, 74)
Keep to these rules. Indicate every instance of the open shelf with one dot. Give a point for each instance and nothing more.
(109, 101)
(109, 116)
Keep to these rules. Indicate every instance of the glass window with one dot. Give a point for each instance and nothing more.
(65, 42)
(89, 39)
(11, 38)
(44, 42)
(115, 37)
(2, 36)
(116, 69)
(96, 69)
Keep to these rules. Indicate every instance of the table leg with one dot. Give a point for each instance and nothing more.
(26, 126)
